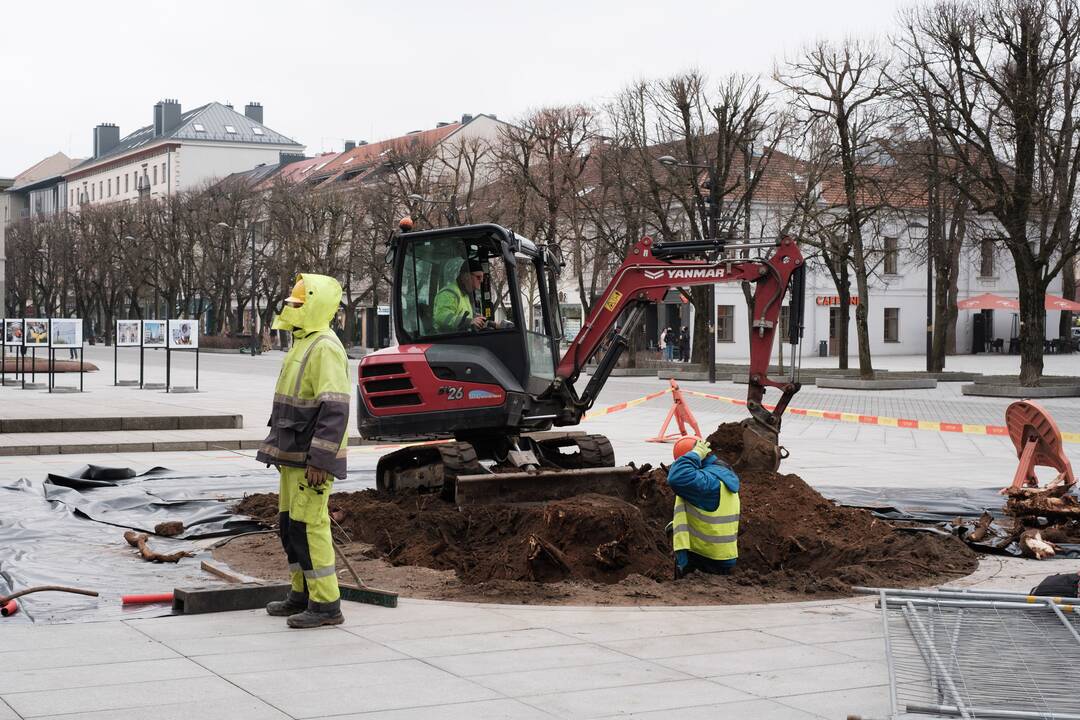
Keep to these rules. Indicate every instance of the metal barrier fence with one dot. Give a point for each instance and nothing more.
(980, 654)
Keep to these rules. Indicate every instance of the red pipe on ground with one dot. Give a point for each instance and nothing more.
(145, 599)
(9, 608)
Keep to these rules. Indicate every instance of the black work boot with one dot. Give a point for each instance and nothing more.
(293, 603)
(317, 615)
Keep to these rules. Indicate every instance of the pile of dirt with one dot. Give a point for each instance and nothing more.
(599, 548)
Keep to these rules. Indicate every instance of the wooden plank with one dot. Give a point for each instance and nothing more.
(226, 573)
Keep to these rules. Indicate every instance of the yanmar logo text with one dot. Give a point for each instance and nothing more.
(686, 273)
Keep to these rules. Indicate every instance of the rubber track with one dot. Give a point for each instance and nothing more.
(596, 451)
(459, 459)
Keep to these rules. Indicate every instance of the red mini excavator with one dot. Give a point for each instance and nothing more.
(476, 311)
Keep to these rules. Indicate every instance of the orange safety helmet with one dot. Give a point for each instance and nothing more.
(684, 445)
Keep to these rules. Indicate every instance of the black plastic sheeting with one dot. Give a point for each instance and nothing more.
(68, 530)
(953, 509)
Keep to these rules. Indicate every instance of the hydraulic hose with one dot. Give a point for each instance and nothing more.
(9, 608)
(46, 588)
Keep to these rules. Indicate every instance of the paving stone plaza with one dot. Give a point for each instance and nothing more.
(823, 659)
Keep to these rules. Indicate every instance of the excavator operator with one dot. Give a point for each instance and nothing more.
(454, 311)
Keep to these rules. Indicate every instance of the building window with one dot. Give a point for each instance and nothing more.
(163, 173)
(125, 182)
(986, 258)
(257, 130)
(91, 192)
(155, 174)
(892, 324)
(108, 185)
(725, 323)
(199, 127)
(891, 255)
(101, 189)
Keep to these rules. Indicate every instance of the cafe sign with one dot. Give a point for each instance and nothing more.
(829, 300)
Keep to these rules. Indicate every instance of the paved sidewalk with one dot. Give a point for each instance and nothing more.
(457, 660)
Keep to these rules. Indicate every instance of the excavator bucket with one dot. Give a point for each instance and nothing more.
(761, 449)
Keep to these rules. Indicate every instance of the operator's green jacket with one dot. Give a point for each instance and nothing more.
(310, 416)
(453, 309)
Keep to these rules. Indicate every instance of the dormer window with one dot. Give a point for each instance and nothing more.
(257, 131)
(230, 129)
(199, 127)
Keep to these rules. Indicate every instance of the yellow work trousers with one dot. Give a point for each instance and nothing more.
(305, 534)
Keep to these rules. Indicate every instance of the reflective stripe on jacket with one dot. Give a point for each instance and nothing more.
(711, 534)
(309, 420)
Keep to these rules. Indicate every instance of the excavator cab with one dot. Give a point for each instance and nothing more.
(479, 287)
(476, 315)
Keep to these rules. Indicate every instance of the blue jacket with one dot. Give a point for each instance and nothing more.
(697, 482)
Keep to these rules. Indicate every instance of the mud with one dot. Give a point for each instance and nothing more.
(594, 548)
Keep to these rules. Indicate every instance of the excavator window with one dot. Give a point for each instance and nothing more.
(537, 340)
(447, 289)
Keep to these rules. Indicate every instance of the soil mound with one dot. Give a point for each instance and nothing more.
(792, 541)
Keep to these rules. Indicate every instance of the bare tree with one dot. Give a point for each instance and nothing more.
(1001, 79)
(840, 91)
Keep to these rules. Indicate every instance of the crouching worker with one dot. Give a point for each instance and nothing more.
(308, 443)
(705, 529)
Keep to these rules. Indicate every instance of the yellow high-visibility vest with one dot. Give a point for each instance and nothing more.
(710, 534)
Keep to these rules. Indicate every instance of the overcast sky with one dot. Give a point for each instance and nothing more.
(330, 70)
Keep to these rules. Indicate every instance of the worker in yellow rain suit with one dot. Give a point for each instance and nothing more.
(308, 442)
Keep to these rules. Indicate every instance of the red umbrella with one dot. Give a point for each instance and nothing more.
(1053, 302)
(988, 301)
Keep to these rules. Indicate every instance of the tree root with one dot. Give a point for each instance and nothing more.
(138, 540)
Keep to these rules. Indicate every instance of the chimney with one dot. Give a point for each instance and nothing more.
(466, 118)
(254, 111)
(441, 124)
(106, 137)
(361, 143)
(166, 117)
(286, 157)
(349, 145)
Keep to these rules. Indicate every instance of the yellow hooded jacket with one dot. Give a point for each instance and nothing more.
(309, 420)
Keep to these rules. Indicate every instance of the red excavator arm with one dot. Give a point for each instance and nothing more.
(651, 269)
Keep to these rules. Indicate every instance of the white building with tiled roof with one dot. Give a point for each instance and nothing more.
(179, 151)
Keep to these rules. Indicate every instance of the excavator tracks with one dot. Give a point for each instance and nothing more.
(455, 470)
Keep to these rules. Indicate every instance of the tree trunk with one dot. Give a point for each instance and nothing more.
(843, 294)
(1032, 326)
(1068, 291)
(862, 316)
(942, 324)
(703, 335)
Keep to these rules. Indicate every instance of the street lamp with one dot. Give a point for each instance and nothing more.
(254, 309)
(919, 231)
(710, 354)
